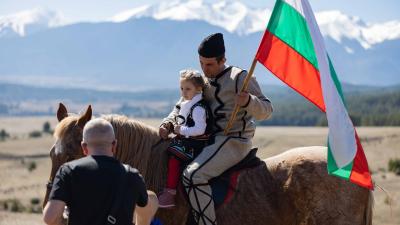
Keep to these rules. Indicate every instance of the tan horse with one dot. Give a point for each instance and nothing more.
(291, 188)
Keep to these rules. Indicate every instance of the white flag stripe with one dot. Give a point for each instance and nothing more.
(296, 4)
(341, 130)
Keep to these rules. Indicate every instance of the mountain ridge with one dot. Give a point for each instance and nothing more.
(148, 53)
(232, 16)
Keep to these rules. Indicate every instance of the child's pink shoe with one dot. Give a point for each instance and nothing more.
(167, 198)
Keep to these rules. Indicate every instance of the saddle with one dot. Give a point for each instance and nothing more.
(224, 186)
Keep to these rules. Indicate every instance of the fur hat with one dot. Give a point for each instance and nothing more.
(212, 46)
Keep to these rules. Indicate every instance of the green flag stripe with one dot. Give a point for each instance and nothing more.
(344, 172)
(290, 26)
(336, 81)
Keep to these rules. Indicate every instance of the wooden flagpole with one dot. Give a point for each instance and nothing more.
(244, 88)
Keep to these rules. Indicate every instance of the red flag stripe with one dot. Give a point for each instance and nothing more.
(291, 67)
(360, 171)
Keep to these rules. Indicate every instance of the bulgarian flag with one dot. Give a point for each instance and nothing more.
(293, 49)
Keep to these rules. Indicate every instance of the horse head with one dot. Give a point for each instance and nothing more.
(68, 137)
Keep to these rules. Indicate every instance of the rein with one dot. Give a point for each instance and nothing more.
(49, 185)
(157, 144)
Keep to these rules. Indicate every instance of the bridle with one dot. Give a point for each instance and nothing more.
(49, 184)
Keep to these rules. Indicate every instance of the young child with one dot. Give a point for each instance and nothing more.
(192, 128)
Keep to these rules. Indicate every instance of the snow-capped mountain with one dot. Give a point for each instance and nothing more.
(29, 21)
(146, 46)
(232, 16)
(338, 26)
(236, 17)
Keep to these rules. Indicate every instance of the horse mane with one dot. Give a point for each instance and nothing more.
(140, 146)
(64, 126)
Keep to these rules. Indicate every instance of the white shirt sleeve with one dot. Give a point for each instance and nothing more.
(199, 118)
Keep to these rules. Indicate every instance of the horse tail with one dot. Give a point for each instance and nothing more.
(369, 210)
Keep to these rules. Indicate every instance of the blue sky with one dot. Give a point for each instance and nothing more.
(94, 10)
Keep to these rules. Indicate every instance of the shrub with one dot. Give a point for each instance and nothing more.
(47, 128)
(35, 134)
(4, 135)
(35, 206)
(3, 205)
(388, 200)
(14, 205)
(31, 166)
(35, 201)
(394, 166)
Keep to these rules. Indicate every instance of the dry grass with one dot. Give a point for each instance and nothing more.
(20, 219)
(380, 144)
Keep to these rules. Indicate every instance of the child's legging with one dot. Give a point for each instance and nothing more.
(174, 170)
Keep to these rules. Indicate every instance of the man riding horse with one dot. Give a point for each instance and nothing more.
(225, 150)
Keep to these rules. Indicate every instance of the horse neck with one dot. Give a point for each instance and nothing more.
(140, 146)
(155, 176)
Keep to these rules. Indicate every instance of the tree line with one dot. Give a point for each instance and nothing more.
(366, 109)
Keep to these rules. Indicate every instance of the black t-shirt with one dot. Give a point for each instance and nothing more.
(88, 186)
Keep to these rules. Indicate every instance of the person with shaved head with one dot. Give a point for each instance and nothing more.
(89, 186)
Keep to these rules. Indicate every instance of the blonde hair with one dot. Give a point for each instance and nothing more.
(193, 76)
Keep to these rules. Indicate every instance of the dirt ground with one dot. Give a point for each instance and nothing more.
(25, 165)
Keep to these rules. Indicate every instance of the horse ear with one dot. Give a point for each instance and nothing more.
(61, 112)
(85, 117)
